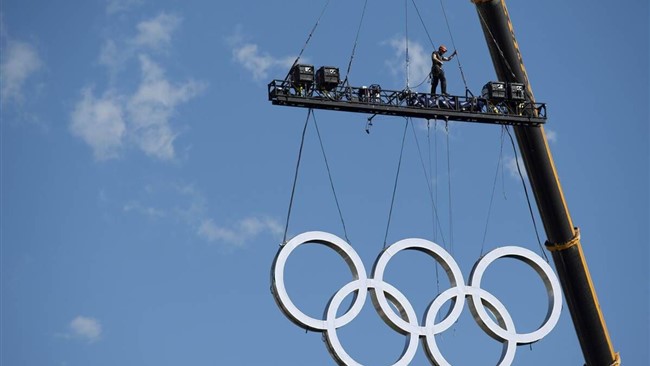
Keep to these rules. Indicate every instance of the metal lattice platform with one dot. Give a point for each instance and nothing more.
(405, 103)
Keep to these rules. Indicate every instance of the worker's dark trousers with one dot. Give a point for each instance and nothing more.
(438, 74)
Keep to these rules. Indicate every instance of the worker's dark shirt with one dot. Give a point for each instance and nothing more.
(437, 58)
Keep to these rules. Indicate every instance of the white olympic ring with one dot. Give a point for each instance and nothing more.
(383, 295)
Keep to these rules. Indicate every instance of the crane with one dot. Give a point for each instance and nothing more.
(563, 238)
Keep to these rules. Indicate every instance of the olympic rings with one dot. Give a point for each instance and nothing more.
(384, 294)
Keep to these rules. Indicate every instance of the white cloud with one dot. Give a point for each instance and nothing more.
(117, 6)
(156, 33)
(511, 166)
(185, 204)
(241, 232)
(142, 118)
(86, 328)
(20, 60)
(153, 105)
(419, 60)
(551, 135)
(108, 123)
(111, 56)
(100, 123)
(250, 58)
(151, 212)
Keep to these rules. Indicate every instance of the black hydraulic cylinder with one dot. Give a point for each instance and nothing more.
(563, 238)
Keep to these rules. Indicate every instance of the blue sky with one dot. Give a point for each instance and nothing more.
(145, 178)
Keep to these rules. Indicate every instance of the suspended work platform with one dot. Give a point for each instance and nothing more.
(405, 103)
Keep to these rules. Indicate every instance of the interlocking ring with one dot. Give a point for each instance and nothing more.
(384, 294)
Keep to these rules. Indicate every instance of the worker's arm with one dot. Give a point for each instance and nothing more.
(450, 57)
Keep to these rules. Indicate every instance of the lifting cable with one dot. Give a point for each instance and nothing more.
(453, 43)
(530, 207)
(433, 173)
(399, 165)
(427, 177)
(451, 216)
(356, 41)
(434, 196)
(308, 39)
(494, 185)
(407, 50)
(295, 177)
(423, 24)
(430, 40)
(406, 25)
(329, 174)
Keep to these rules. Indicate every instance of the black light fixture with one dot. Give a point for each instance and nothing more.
(302, 76)
(494, 90)
(516, 92)
(327, 78)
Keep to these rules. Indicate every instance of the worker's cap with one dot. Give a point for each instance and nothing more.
(442, 48)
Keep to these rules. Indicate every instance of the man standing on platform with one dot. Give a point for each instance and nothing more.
(437, 73)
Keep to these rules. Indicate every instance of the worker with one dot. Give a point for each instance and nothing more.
(437, 73)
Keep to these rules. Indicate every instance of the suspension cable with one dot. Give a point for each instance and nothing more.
(406, 25)
(494, 186)
(453, 43)
(423, 24)
(356, 41)
(399, 165)
(427, 177)
(329, 174)
(431, 171)
(308, 39)
(530, 207)
(451, 221)
(295, 177)
(431, 183)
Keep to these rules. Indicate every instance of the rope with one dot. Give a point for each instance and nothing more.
(356, 41)
(427, 177)
(494, 186)
(295, 177)
(434, 188)
(451, 221)
(399, 165)
(430, 192)
(423, 24)
(453, 43)
(308, 39)
(406, 24)
(329, 174)
(530, 208)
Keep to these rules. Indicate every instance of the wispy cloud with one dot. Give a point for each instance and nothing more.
(185, 204)
(551, 135)
(100, 123)
(118, 6)
(152, 106)
(19, 61)
(249, 56)
(144, 118)
(156, 33)
(239, 233)
(83, 328)
(511, 166)
(258, 63)
(135, 206)
(419, 60)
